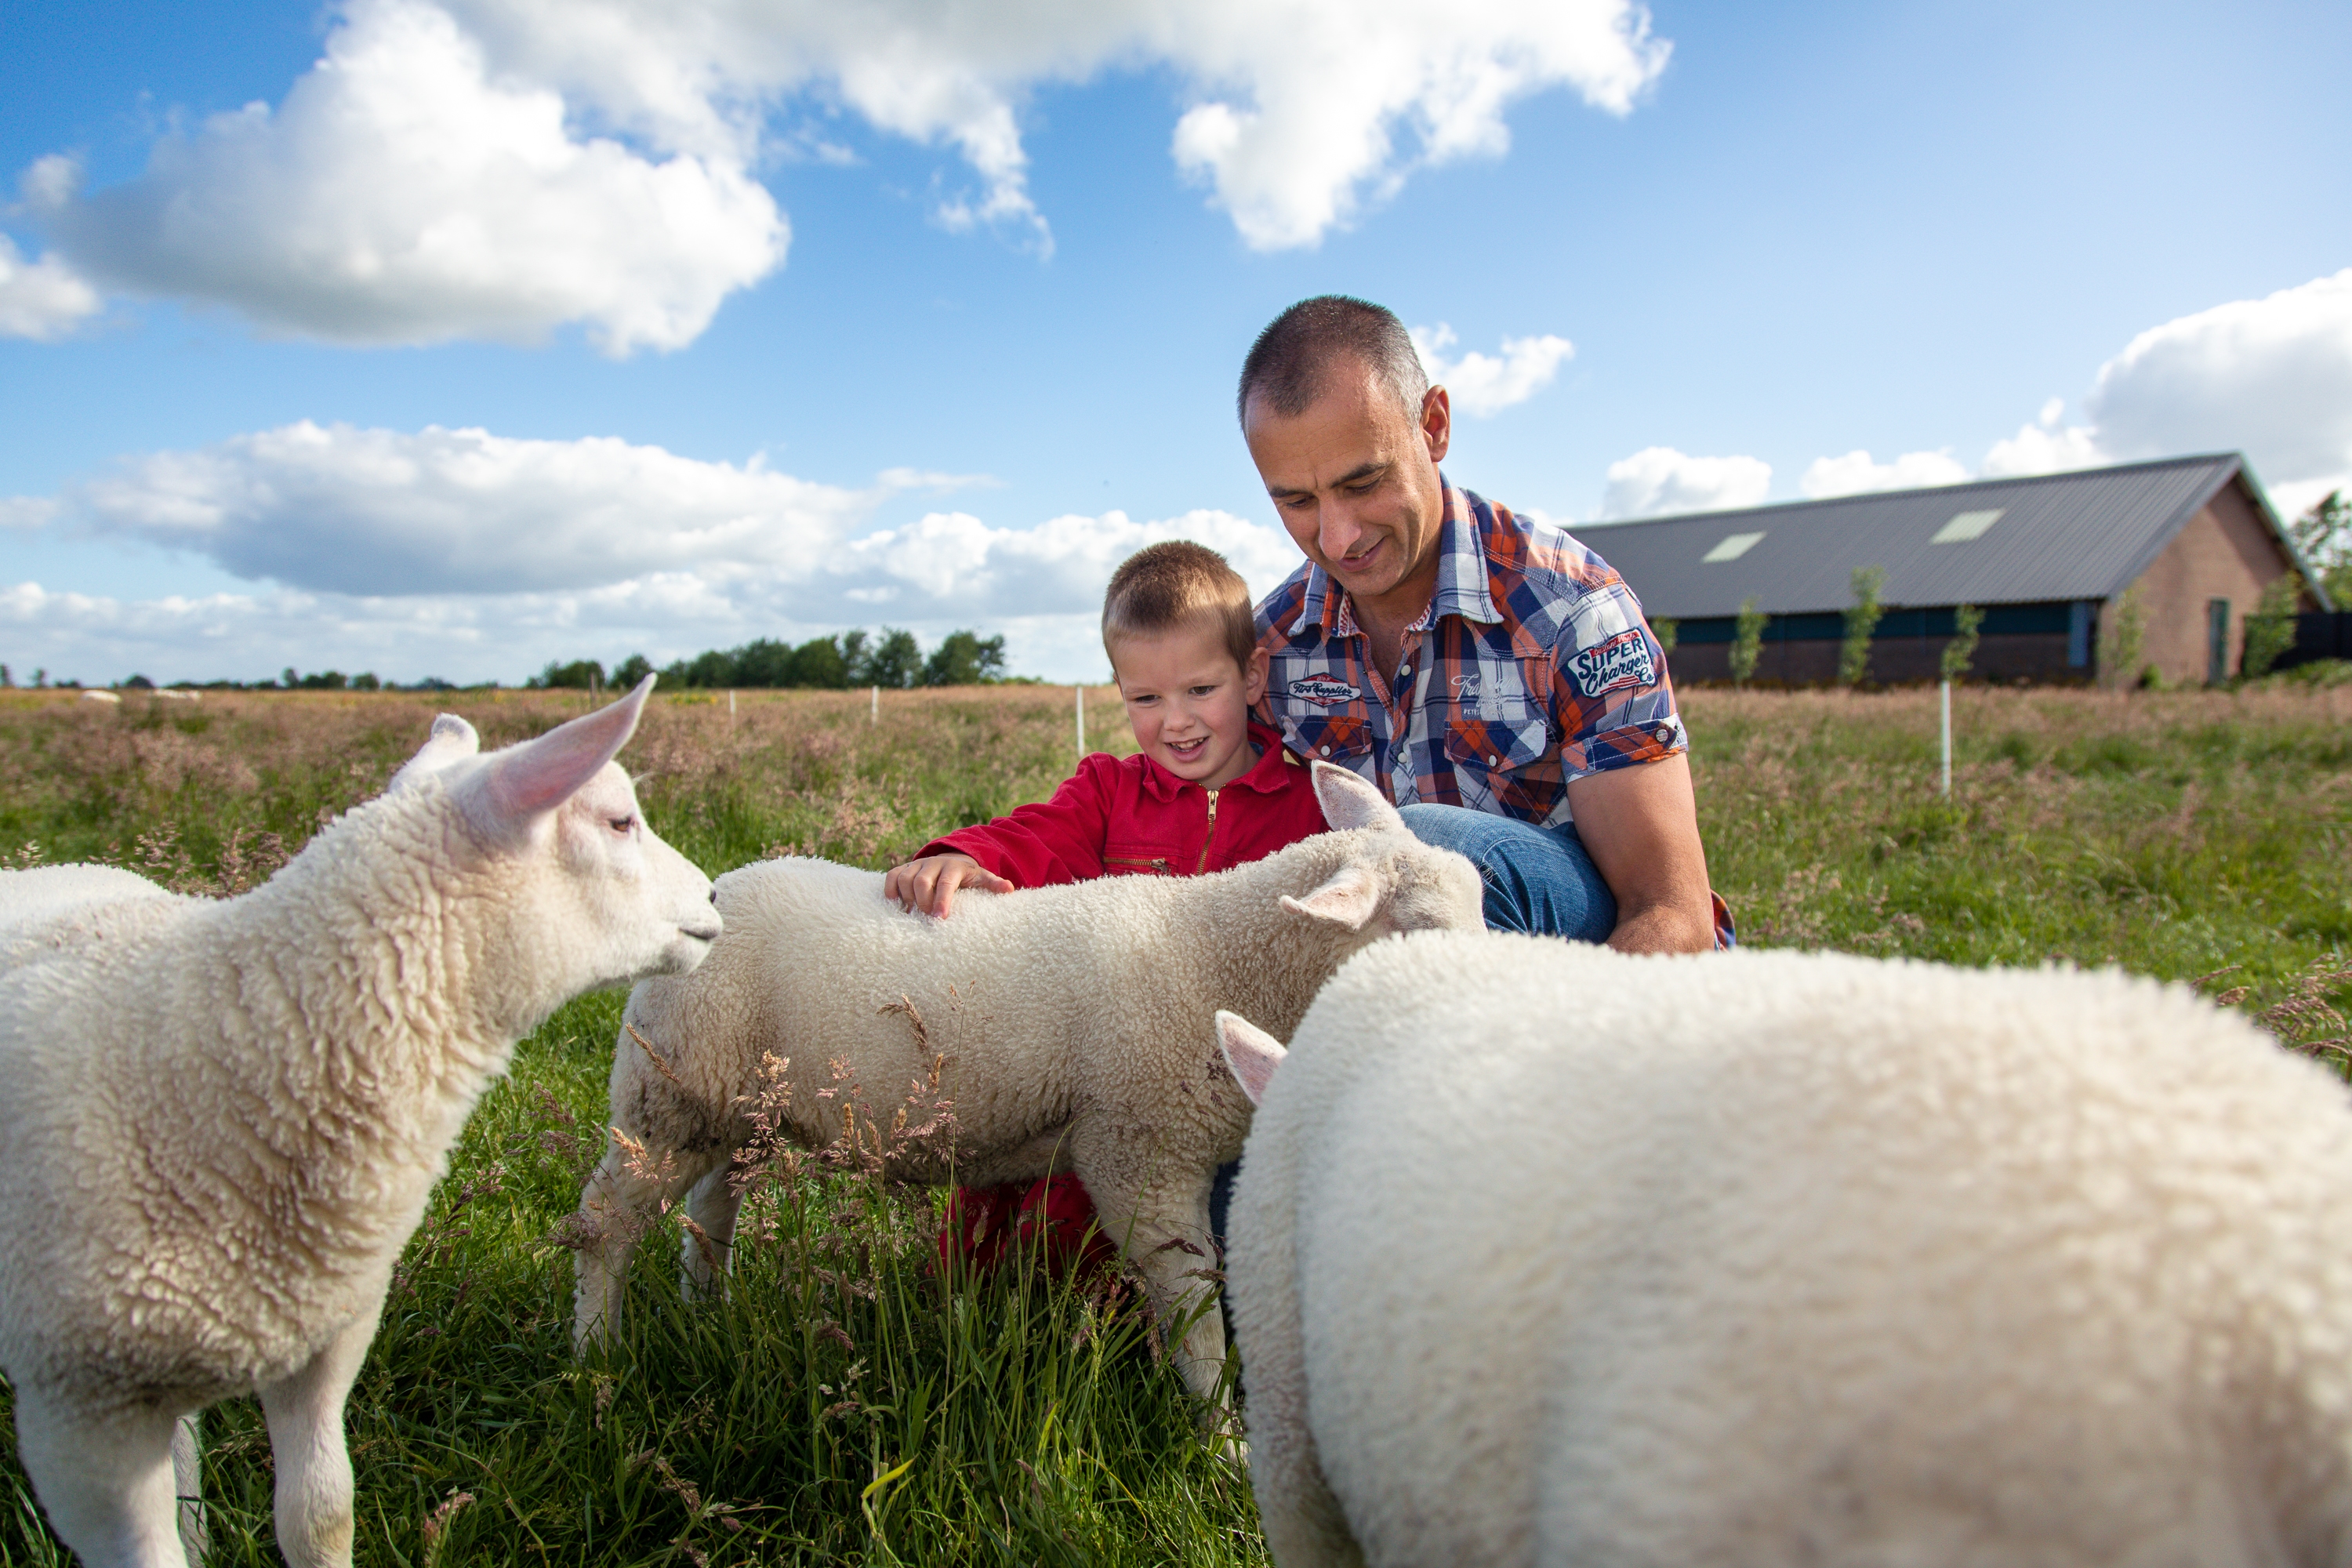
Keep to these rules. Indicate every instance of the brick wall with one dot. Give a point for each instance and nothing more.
(2225, 551)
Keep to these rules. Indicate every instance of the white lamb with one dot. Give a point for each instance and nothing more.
(1075, 1023)
(1545, 1253)
(220, 1120)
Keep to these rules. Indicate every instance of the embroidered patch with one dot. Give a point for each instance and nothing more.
(1324, 692)
(1466, 685)
(1623, 661)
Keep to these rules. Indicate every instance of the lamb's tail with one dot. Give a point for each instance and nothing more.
(187, 1440)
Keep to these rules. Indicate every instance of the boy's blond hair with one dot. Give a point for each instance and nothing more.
(1179, 585)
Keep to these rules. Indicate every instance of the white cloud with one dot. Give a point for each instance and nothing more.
(1302, 112)
(1857, 471)
(2046, 446)
(1658, 481)
(1483, 387)
(26, 511)
(2271, 377)
(404, 194)
(41, 299)
(499, 168)
(337, 509)
(470, 555)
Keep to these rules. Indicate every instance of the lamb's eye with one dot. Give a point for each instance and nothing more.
(621, 824)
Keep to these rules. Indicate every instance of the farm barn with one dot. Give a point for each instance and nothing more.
(2049, 559)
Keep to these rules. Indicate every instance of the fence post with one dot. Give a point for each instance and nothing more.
(1947, 737)
(1081, 693)
(730, 705)
(876, 717)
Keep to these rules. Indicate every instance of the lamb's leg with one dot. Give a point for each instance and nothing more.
(712, 1206)
(618, 1204)
(187, 1481)
(1302, 1520)
(1164, 1232)
(105, 1482)
(306, 1448)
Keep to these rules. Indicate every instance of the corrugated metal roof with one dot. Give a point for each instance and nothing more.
(2084, 535)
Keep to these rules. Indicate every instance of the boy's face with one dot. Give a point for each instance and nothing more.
(1188, 702)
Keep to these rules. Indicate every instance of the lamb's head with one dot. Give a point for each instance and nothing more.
(551, 838)
(1390, 880)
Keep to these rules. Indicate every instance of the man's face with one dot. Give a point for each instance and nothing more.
(1354, 479)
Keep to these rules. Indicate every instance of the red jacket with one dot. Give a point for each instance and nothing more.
(1131, 817)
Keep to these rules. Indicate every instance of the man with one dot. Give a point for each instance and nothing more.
(1494, 677)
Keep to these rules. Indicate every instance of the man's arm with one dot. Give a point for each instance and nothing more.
(1640, 825)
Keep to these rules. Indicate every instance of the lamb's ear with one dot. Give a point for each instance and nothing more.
(453, 739)
(526, 781)
(1349, 898)
(1250, 1052)
(1348, 801)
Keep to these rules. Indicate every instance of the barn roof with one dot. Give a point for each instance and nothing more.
(2086, 536)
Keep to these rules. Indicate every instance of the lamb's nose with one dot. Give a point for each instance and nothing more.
(714, 897)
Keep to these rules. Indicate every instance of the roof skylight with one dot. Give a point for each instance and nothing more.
(1967, 525)
(1732, 546)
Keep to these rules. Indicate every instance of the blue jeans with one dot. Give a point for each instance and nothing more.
(1538, 880)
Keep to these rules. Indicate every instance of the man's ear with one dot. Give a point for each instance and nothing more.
(524, 783)
(452, 740)
(1350, 802)
(1350, 899)
(1251, 1054)
(1437, 422)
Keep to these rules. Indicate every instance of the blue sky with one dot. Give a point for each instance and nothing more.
(470, 347)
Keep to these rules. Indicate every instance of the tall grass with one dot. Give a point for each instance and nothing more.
(842, 1402)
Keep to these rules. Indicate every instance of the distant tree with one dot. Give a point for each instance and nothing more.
(965, 659)
(1667, 632)
(289, 679)
(2324, 535)
(365, 681)
(7, 681)
(576, 676)
(852, 657)
(1861, 619)
(630, 670)
(40, 677)
(1963, 646)
(2121, 631)
(324, 680)
(763, 663)
(1747, 642)
(819, 662)
(139, 683)
(2270, 630)
(896, 662)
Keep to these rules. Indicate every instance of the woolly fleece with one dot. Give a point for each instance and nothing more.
(1074, 1023)
(220, 1120)
(1542, 1253)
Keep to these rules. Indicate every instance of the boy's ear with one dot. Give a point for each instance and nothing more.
(1253, 679)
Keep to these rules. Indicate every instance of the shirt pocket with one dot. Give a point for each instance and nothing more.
(1131, 859)
(1343, 737)
(1503, 766)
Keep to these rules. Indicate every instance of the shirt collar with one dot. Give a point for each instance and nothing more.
(1462, 585)
(1264, 776)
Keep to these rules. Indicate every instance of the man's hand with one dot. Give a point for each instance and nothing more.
(1640, 825)
(929, 884)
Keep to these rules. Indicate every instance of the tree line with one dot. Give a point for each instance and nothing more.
(893, 658)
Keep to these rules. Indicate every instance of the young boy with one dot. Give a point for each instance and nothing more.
(1208, 790)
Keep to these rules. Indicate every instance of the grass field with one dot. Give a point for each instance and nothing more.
(842, 1402)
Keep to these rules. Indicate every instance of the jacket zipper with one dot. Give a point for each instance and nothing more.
(1207, 838)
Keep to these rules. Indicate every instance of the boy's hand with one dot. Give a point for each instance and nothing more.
(929, 884)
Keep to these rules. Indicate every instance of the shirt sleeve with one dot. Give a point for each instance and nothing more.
(1612, 703)
(1046, 843)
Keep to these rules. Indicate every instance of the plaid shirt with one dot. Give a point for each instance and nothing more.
(1531, 667)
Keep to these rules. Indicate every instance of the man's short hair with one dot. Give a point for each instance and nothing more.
(1179, 585)
(1287, 364)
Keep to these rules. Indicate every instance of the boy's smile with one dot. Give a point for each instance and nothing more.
(1188, 702)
